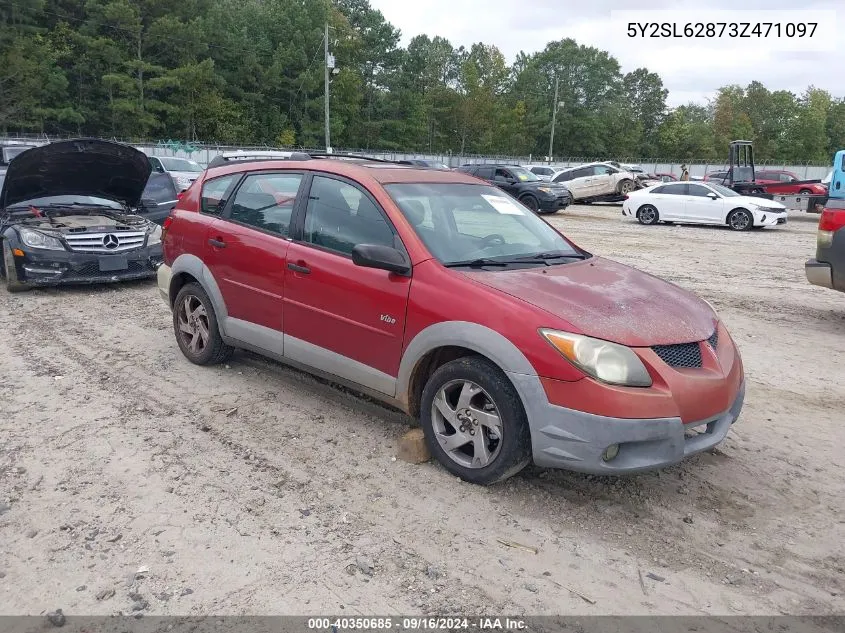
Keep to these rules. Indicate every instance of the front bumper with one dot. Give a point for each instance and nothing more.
(52, 268)
(554, 204)
(768, 218)
(576, 440)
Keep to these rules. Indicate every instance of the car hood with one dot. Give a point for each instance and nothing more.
(609, 301)
(757, 202)
(82, 167)
(547, 184)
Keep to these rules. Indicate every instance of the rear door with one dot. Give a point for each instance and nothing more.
(249, 246)
(340, 318)
(579, 182)
(669, 200)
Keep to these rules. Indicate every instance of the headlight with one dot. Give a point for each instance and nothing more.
(36, 239)
(154, 236)
(545, 190)
(609, 362)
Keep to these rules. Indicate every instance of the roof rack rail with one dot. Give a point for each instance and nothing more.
(354, 156)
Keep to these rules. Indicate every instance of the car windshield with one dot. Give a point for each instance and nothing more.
(523, 174)
(721, 190)
(826, 180)
(543, 171)
(69, 201)
(463, 222)
(180, 164)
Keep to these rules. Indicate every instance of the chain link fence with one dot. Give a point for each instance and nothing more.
(203, 153)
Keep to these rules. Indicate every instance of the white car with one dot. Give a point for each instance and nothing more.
(702, 203)
(543, 172)
(183, 170)
(596, 181)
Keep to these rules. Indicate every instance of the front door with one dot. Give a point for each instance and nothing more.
(249, 245)
(700, 207)
(341, 318)
(506, 181)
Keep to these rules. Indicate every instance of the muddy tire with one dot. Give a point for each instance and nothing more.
(740, 220)
(474, 421)
(9, 272)
(196, 329)
(648, 214)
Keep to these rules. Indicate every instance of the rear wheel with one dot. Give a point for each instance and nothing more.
(531, 202)
(195, 326)
(474, 421)
(740, 220)
(9, 271)
(647, 214)
(625, 187)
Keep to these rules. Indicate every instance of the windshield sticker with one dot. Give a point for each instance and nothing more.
(522, 176)
(503, 205)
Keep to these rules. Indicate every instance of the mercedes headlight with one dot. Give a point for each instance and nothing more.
(36, 239)
(608, 362)
(154, 236)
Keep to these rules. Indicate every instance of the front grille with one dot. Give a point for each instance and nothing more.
(115, 242)
(683, 355)
(92, 270)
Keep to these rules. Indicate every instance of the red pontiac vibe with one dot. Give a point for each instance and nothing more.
(440, 294)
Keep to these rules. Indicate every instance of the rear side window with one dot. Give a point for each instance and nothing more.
(265, 201)
(340, 216)
(564, 177)
(485, 172)
(213, 191)
(676, 190)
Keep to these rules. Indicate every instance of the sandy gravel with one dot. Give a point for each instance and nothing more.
(131, 479)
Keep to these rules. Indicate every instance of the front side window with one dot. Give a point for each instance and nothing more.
(485, 172)
(213, 191)
(340, 216)
(603, 170)
(461, 222)
(698, 190)
(504, 175)
(564, 177)
(266, 201)
(723, 191)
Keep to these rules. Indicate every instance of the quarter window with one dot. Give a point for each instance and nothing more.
(265, 201)
(340, 216)
(213, 192)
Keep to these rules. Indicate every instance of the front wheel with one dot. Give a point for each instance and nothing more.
(531, 202)
(195, 326)
(10, 272)
(740, 220)
(474, 422)
(625, 187)
(804, 192)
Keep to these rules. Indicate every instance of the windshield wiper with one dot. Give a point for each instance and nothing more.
(476, 263)
(545, 257)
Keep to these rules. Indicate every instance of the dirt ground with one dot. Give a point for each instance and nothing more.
(131, 480)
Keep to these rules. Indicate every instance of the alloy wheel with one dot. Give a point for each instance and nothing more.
(193, 324)
(740, 220)
(466, 424)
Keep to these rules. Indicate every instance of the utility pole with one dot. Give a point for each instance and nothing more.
(554, 120)
(326, 71)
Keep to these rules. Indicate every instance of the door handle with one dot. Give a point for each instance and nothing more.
(299, 269)
(217, 243)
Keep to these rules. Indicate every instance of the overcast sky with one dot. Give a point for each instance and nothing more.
(691, 69)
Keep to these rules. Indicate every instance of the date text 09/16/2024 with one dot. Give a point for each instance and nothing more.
(721, 29)
(480, 624)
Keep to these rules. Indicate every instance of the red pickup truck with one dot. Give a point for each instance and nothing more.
(786, 183)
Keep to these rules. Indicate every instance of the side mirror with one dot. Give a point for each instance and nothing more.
(381, 257)
(712, 196)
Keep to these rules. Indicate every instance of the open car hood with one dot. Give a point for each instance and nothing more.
(80, 167)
